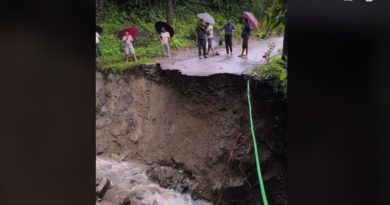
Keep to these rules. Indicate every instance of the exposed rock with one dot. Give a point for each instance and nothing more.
(126, 201)
(217, 187)
(154, 202)
(138, 196)
(171, 178)
(102, 186)
(234, 188)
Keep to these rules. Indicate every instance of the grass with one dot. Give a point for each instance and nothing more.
(147, 45)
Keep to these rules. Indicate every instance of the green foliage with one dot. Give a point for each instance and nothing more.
(108, 94)
(274, 13)
(98, 109)
(274, 70)
(117, 64)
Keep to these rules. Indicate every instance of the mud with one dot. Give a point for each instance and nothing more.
(195, 127)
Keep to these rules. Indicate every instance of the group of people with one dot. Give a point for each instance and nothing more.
(129, 48)
(204, 32)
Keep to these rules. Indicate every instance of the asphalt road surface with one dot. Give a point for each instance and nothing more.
(191, 65)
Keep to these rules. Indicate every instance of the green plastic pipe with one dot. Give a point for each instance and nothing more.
(262, 189)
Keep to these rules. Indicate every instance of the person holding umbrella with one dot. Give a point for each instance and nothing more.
(229, 29)
(245, 34)
(165, 37)
(166, 32)
(201, 38)
(128, 40)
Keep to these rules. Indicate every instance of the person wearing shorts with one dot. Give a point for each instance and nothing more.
(210, 36)
(165, 37)
(129, 49)
(245, 34)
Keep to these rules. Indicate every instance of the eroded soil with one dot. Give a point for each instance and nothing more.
(196, 124)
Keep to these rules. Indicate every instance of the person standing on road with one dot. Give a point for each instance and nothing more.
(129, 49)
(229, 29)
(98, 52)
(165, 37)
(245, 34)
(210, 36)
(201, 39)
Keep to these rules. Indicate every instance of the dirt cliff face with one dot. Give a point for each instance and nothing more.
(196, 124)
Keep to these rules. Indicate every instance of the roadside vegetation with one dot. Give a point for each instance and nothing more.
(274, 73)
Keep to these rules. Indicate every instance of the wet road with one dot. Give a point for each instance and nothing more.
(191, 65)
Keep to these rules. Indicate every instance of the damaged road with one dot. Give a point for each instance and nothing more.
(191, 65)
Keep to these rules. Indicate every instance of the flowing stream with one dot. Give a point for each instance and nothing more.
(129, 179)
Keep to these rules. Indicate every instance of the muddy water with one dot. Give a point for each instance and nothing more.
(129, 179)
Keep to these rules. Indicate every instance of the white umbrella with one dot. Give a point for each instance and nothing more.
(207, 18)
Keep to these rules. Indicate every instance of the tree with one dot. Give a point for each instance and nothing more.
(170, 12)
(274, 15)
(284, 54)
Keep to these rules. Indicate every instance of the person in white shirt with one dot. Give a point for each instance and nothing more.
(129, 49)
(98, 52)
(165, 37)
(210, 36)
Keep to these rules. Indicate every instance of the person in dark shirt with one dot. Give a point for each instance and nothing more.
(229, 29)
(201, 36)
(245, 34)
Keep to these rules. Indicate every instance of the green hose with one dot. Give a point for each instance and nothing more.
(262, 189)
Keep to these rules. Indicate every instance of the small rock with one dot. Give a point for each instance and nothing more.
(217, 186)
(126, 201)
(179, 189)
(133, 172)
(115, 131)
(134, 137)
(138, 196)
(154, 202)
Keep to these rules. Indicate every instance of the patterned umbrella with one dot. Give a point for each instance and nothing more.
(206, 17)
(133, 31)
(251, 19)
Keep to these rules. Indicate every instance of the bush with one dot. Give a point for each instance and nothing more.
(274, 71)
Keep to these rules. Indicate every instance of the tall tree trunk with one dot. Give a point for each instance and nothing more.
(100, 8)
(266, 32)
(284, 55)
(169, 11)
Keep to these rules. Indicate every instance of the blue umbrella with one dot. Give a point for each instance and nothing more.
(206, 17)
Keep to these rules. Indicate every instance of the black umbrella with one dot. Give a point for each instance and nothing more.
(159, 25)
(99, 29)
